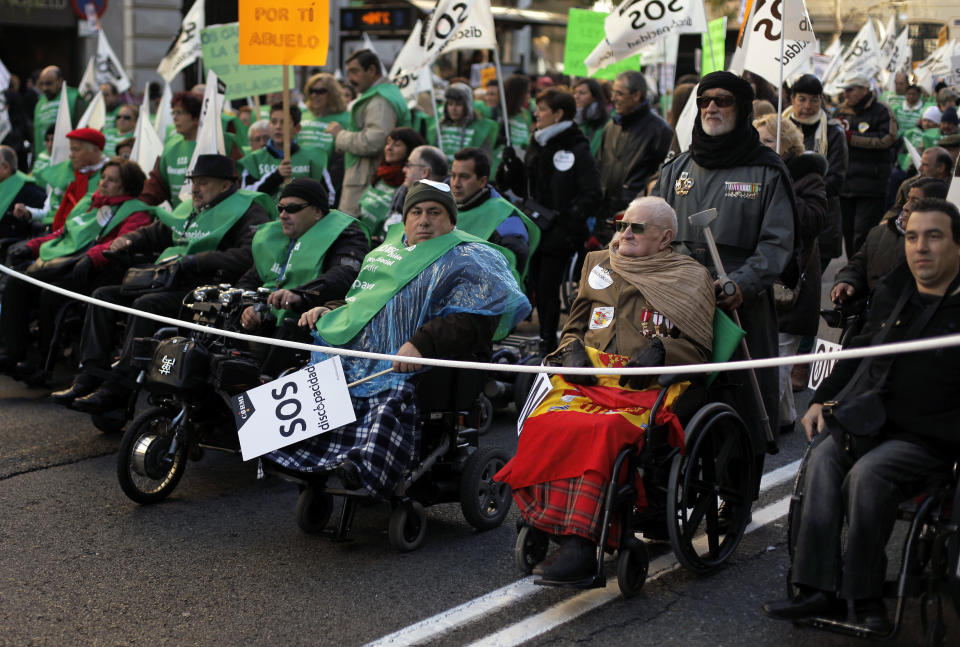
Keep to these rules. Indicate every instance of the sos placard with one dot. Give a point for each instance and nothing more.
(310, 402)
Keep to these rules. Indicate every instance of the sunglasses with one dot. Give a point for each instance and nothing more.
(318, 90)
(636, 227)
(723, 101)
(125, 117)
(292, 208)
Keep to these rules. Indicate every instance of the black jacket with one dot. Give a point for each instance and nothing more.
(573, 189)
(630, 154)
(837, 155)
(31, 195)
(871, 143)
(881, 253)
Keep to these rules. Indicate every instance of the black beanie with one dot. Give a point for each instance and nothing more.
(425, 190)
(807, 84)
(310, 191)
(741, 89)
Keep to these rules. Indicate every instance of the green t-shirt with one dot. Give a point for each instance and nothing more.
(480, 133)
(306, 162)
(312, 130)
(174, 162)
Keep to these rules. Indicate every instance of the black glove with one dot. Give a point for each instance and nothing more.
(651, 355)
(187, 267)
(19, 254)
(81, 270)
(575, 356)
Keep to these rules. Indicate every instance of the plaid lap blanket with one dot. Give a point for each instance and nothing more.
(383, 442)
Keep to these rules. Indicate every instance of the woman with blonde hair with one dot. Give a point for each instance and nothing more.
(324, 105)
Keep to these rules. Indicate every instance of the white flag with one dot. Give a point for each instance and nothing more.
(147, 145)
(209, 130)
(164, 112)
(368, 44)
(108, 68)
(187, 47)
(60, 151)
(862, 58)
(953, 194)
(760, 48)
(95, 116)
(686, 120)
(449, 21)
(898, 55)
(796, 22)
(406, 72)
(4, 77)
(476, 30)
(936, 66)
(88, 85)
(635, 24)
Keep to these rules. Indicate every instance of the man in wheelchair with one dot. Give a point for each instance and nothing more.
(889, 425)
(441, 293)
(640, 304)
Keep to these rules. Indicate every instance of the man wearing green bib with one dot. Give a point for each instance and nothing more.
(377, 111)
(461, 127)
(50, 85)
(71, 180)
(308, 257)
(16, 188)
(266, 170)
(209, 242)
(437, 293)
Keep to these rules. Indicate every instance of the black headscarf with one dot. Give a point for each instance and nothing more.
(739, 147)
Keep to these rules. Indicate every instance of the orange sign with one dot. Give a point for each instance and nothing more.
(296, 33)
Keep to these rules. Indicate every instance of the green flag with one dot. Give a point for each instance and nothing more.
(717, 32)
(584, 33)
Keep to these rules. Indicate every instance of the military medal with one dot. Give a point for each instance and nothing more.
(645, 322)
(657, 322)
(684, 184)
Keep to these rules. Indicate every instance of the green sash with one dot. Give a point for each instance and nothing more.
(202, 231)
(41, 162)
(520, 125)
(483, 220)
(9, 189)
(82, 229)
(375, 206)
(313, 130)
(476, 134)
(45, 114)
(931, 136)
(392, 94)
(281, 263)
(58, 177)
(915, 137)
(385, 271)
(306, 162)
(173, 164)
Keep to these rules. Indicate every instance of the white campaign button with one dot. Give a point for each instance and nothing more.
(599, 278)
(563, 160)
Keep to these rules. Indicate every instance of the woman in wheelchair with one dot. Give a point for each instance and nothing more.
(442, 293)
(640, 304)
(889, 426)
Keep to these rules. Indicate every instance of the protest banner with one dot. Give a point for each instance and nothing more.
(713, 43)
(820, 370)
(688, 116)
(95, 116)
(405, 73)
(862, 58)
(296, 33)
(760, 49)
(186, 47)
(474, 28)
(108, 68)
(293, 408)
(221, 51)
(584, 33)
(209, 130)
(936, 66)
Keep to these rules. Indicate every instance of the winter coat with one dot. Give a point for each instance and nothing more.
(871, 142)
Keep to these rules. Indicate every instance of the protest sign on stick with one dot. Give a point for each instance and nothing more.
(221, 53)
(296, 32)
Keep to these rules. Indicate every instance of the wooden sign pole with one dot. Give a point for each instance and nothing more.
(286, 114)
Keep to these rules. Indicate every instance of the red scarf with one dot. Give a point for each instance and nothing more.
(392, 174)
(74, 193)
(100, 200)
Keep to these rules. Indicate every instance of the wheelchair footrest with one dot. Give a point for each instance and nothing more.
(592, 582)
(842, 626)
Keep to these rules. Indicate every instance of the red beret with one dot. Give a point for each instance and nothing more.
(95, 137)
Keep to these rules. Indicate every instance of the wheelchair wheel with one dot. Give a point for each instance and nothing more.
(485, 414)
(484, 501)
(632, 566)
(793, 512)
(147, 469)
(313, 510)
(715, 475)
(408, 526)
(531, 548)
(111, 422)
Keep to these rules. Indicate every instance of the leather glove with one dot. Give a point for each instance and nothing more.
(651, 355)
(81, 270)
(19, 254)
(575, 356)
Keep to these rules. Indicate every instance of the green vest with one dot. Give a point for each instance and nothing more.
(41, 162)
(282, 263)
(306, 162)
(482, 109)
(174, 162)
(915, 137)
(483, 220)
(85, 226)
(520, 128)
(392, 94)
(45, 114)
(195, 232)
(313, 130)
(479, 133)
(9, 189)
(58, 177)
(375, 206)
(385, 271)
(238, 125)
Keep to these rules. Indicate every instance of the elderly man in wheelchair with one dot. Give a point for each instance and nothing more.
(437, 292)
(886, 430)
(640, 304)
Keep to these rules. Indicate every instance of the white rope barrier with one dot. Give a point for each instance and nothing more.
(930, 343)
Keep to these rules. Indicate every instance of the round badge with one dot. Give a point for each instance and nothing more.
(563, 160)
(599, 278)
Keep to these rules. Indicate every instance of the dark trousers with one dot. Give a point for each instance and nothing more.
(547, 271)
(865, 490)
(97, 338)
(275, 359)
(860, 214)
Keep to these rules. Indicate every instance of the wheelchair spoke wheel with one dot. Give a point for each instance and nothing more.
(408, 526)
(484, 502)
(531, 548)
(632, 566)
(313, 510)
(152, 457)
(709, 490)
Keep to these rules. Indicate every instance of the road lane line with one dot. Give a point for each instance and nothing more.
(562, 613)
(453, 618)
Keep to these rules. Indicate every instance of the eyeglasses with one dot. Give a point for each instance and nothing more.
(318, 90)
(636, 227)
(292, 208)
(125, 117)
(722, 101)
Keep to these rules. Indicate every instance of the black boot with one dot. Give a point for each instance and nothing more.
(872, 614)
(83, 384)
(575, 560)
(808, 603)
(107, 398)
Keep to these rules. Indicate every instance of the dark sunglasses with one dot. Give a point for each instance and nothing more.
(318, 90)
(125, 117)
(292, 208)
(722, 101)
(636, 227)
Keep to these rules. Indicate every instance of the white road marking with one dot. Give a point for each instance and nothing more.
(458, 616)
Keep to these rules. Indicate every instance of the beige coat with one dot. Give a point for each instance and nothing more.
(375, 118)
(610, 318)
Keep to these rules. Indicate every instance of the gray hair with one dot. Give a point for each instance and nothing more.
(435, 160)
(262, 124)
(8, 156)
(634, 81)
(659, 211)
